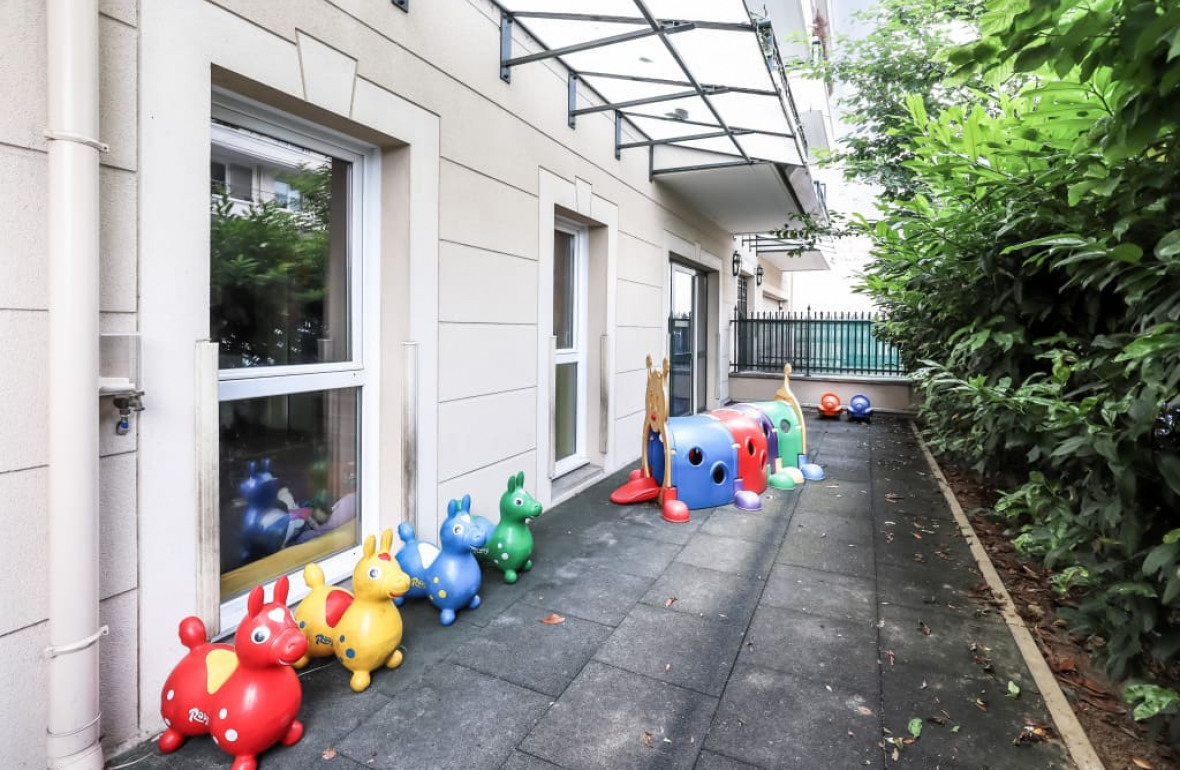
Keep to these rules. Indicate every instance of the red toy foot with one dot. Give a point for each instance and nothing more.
(170, 741)
(637, 490)
(245, 762)
(635, 474)
(294, 733)
(675, 511)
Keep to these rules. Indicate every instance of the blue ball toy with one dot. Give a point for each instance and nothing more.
(860, 408)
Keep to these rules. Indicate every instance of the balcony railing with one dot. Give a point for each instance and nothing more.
(814, 344)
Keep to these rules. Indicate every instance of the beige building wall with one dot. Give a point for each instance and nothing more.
(473, 172)
(24, 288)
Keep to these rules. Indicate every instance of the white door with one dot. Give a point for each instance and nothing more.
(569, 332)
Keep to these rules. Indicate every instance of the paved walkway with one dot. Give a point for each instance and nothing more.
(800, 637)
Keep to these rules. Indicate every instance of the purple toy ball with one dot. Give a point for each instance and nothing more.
(747, 500)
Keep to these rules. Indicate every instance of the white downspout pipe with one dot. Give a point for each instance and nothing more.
(72, 739)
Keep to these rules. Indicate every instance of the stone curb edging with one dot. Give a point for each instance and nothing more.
(1072, 735)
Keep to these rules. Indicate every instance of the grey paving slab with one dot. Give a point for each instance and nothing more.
(980, 721)
(456, 718)
(834, 496)
(517, 647)
(828, 651)
(425, 642)
(704, 592)
(686, 650)
(495, 595)
(727, 554)
(821, 593)
(616, 546)
(841, 466)
(709, 760)
(906, 539)
(644, 521)
(756, 526)
(611, 719)
(773, 719)
(844, 528)
(521, 761)
(589, 590)
(943, 586)
(807, 549)
(936, 640)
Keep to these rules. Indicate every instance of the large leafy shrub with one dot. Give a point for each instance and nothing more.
(1035, 280)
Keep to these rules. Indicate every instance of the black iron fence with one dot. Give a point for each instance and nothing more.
(813, 343)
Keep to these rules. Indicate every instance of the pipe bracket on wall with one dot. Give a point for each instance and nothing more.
(66, 136)
(82, 644)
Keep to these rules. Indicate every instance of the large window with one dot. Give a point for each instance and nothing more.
(285, 309)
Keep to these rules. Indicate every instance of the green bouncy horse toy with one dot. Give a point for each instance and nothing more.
(510, 546)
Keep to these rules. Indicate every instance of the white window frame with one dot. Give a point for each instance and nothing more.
(360, 367)
(579, 353)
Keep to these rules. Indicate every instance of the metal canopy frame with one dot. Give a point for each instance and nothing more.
(773, 136)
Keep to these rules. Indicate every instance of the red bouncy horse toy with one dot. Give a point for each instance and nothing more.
(245, 695)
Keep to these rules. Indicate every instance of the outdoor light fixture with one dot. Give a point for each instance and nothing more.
(758, 275)
(737, 264)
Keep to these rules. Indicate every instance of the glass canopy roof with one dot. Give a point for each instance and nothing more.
(698, 83)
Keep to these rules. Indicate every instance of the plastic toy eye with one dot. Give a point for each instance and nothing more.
(375, 572)
(457, 529)
(518, 502)
(260, 635)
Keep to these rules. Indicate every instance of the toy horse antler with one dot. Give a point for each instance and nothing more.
(784, 394)
(656, 421)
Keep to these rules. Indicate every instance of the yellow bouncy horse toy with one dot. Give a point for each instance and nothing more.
(363, 630)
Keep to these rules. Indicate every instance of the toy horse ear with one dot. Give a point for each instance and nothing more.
(251, 468)
(370, 546)
(466, 503)
(511, 483)
(520, 480)
(386, 540)
(255, 602)
(667, 368)
(282, 586)
(649, 362)
(452, 506)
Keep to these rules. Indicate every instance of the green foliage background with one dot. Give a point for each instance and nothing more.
(1029, 263)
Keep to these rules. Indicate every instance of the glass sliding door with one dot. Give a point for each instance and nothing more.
(570, 362)
(687, 347)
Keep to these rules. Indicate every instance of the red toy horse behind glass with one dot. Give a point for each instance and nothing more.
(245, 695)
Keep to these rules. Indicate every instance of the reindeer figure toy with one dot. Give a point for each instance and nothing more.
(510, 546)
(245, 695)
(450, 575)
(363, 630)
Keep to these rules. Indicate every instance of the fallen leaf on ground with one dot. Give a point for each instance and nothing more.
(916, 535)
(915, 727)
(1032, 733)
(1013, 690)
(1142, 763)
(552, 619)
(646, 738)
(868, 712)
(937, 720)
(892, 497)
(329, 753)
(924, 628)
(1066, 665)
(892, 657)
(669, 601)
(667, 666)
